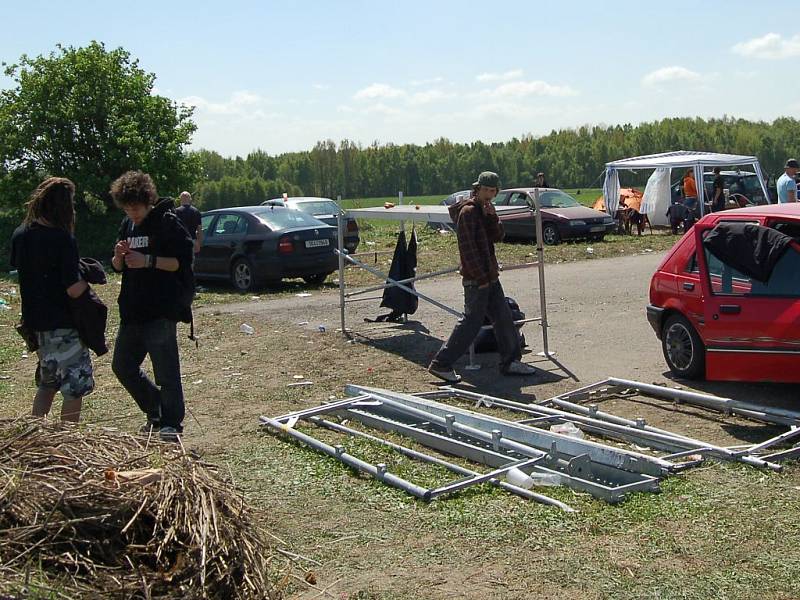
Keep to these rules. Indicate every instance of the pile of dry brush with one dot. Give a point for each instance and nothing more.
(99, 513)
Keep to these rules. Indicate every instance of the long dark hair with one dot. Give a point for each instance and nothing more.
(52, 201)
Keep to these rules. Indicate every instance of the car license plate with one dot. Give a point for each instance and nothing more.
(597, 228)
(317, 243)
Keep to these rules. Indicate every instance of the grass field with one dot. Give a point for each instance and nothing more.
(721, 532)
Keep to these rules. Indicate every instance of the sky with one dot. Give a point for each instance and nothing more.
(280, 76)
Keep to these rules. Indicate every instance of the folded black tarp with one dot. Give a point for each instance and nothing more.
(751, 249)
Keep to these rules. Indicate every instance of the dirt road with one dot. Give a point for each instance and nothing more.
(596, 312)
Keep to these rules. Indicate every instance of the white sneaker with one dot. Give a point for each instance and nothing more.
(448, 375)
(519, 368)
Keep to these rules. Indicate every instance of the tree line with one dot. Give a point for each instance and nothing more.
(570, 158)
(90, 114)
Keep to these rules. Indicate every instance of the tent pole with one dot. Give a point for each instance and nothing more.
(340, 244)
(540, 261)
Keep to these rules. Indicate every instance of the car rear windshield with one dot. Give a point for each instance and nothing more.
(321, 207)
(285, 218)
(557, 199)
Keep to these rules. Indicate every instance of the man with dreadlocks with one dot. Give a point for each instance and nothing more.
(45, 254)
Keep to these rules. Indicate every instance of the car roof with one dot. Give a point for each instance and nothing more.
(245, 209)
(529, 190)
(304, 199)
(790, 210)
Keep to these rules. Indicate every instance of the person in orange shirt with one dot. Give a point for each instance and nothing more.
(690, 195)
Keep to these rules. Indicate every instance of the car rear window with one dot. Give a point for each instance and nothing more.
(285, 218)
(322, 207)
(784, 280)
(557, 199)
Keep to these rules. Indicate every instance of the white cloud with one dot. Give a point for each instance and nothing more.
(770, 46)
(420, 98)
(321, 86)
(239, 103)
(519, 89)
(515, 74)
(431, 81)
(382, 109)
(378, 90)
(670, 75)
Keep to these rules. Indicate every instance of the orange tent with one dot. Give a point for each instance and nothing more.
(630, 196)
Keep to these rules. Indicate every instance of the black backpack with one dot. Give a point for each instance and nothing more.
(487, 342)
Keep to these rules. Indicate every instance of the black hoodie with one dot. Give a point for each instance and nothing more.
(149, 294)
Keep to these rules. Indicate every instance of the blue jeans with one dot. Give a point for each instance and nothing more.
(161, 401)
(479, 303)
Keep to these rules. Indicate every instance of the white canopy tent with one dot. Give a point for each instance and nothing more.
(653, 206)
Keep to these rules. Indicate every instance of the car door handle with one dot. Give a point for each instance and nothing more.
(730, 309)
(688, 286)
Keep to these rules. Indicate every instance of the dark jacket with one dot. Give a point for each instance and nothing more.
(149, 294)
(477, 228)
(90, 316)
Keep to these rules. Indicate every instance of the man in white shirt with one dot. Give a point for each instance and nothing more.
(787, 188)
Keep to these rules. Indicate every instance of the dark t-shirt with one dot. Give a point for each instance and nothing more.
(149, 294)
(190, 217)
(718, 203)
(47, 261)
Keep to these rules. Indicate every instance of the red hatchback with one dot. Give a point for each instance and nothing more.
(732, 311)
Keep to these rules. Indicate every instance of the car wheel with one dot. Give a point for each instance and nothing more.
(683, 349)
(317, 279)
(242, 276)
(550, 234)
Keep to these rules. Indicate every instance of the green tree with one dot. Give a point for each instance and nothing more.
(90, 114)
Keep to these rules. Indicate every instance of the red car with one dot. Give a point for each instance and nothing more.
(732, 311)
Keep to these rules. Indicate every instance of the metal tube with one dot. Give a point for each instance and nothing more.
(725, 405)
(352, 461)
(407, 280)
(621, 428)
(442, 463)
(400, 285)
(317, 410)
(477, 478)
(540, 260)
(340, 244)
(786, 435)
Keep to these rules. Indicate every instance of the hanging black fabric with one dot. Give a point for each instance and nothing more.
(404, 266)
(750, 249)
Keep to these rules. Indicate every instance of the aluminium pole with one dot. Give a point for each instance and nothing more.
(540, 260)
(527, 494)
(377, 471)
(340, 244)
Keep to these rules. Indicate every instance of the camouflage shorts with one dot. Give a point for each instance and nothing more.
(64, 363)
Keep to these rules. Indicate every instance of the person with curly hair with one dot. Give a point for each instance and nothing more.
(152, 246)
(45, 254)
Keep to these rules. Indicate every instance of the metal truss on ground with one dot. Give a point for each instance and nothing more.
(520, 447)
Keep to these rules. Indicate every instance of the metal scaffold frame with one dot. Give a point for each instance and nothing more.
(433, 214)
(528, 452)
